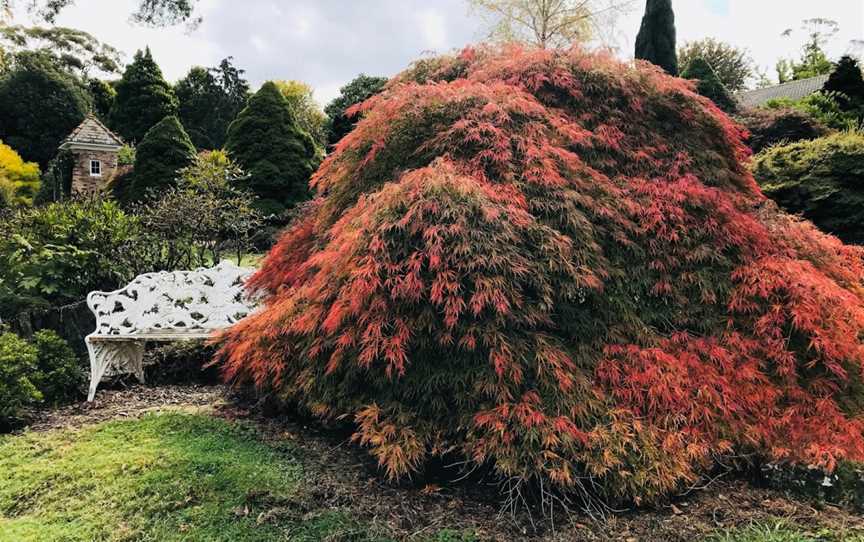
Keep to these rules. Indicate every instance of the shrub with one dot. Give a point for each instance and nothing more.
(199, 221)
(54, 255)
(19, 180)
(821, 179)
(557, 264)
(59, 375)
(822, 106)
(768, 127)
(18, 361)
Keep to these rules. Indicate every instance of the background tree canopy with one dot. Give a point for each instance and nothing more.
(75, 50)
(356, 91)
(209, 100)
(149, 12)
(40, 104)
(549, 23)
(732, 65)
(309, 115)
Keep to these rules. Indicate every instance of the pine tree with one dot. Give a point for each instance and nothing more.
(709, 84)
(847, 80)
(656, 39)
(143, 98)
(266, 141)
(165, 149)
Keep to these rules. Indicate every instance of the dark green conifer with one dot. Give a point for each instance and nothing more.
(656, 39)
(143, 98)
(165, 149)
(266, 141)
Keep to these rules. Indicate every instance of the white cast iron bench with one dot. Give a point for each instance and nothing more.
(164, 306)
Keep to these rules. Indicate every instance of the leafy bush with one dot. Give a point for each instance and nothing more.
(822, 106)
(18, 361)
(19, 180)
(771, 126)
(821, 179)
(55, 254)
(558, 264)
(60, 375)
(199, 221)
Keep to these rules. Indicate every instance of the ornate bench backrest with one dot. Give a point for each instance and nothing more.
(176, 302)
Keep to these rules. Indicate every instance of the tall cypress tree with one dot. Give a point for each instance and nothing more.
(656, 39)
(267, 143)
(143, 98)
(847, 80)
(165, 149)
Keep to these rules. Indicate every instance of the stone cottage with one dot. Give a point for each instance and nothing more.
(94, 150)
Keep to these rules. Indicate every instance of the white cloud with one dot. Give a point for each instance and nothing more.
(328, 42)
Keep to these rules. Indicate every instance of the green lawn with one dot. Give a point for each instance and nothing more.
(164, 477)
(192, 477)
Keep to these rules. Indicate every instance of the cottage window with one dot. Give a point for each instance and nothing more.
(95, 168)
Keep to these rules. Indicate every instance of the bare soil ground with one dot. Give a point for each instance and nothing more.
(340, 476)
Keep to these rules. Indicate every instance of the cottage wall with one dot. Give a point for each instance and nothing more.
(85, 183)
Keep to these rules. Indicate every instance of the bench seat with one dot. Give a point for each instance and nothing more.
(164, 306)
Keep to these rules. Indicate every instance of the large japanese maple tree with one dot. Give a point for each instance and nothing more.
(558, 264)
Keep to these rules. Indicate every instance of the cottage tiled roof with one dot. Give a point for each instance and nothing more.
(92, 132)
(794, 90)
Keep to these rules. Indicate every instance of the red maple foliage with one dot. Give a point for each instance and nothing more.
(559, 264)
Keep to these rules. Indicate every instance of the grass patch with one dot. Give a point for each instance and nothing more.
(782, 532)
(164, 477)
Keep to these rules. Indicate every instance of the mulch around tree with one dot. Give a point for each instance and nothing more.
(341, 476)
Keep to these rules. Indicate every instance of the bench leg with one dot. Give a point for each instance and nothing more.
(124, 356)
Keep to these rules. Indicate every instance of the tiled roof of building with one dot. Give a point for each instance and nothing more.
(794, 90)
(92, 132)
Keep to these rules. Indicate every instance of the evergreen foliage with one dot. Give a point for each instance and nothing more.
(821, 179)
(210, 99)
(769, 127)
(143, 98)
(102, 95)
(558, 265)
(39, 106)
(655, 41)
(19, 180)
(266, 141)
(709, 85)
(164, 151)
(847, 82)
(360, 89)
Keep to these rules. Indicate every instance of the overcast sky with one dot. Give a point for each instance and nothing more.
(327, 42)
